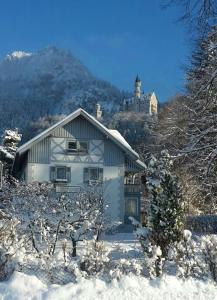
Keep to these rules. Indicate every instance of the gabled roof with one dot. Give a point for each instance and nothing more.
(113, 135)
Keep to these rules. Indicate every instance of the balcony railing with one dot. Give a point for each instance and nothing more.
(67, 189)
(132, 188)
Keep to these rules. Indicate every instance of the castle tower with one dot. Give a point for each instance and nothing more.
(138, 87)
(153, 108)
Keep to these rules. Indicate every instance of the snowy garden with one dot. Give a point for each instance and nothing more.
(131, 285)
(64, 247)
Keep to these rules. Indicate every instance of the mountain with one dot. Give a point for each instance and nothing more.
(49, 82)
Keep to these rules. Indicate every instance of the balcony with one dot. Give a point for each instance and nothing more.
(132, 188)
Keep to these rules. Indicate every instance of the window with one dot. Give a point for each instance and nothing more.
(131, 208)
(72, 146)
(79, 147)
(83, 147)
(93, 175)
(60, 174)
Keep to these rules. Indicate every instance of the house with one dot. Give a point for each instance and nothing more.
(78, 151)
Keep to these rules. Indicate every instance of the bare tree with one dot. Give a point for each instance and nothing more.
(198, 15)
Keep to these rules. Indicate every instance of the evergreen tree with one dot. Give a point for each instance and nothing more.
(166, 206)
(8, 149)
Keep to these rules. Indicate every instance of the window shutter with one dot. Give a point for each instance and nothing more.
(68, 174)
(86, 175)
(52, 174)
(101, 174)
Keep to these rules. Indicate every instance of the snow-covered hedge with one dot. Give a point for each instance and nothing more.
(202, 224)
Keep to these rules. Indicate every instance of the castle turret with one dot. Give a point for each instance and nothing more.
(138, 87)
(153, 109)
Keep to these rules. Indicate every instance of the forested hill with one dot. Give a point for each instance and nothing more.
(49, 82)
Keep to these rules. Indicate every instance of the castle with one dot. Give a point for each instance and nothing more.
(140, 102)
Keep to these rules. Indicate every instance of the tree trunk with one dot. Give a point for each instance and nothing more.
(74, 248)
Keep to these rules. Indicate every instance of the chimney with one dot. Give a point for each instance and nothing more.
(98, 112)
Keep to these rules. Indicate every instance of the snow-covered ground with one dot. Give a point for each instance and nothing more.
(22, 286)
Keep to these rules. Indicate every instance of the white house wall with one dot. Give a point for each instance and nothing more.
(113, 183)
(41, 172)
(37, 172)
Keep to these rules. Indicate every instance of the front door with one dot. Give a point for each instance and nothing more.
(131, 209)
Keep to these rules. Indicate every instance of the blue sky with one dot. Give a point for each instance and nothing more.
(115, 39)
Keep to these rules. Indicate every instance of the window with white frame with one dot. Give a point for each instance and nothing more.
(92, 174)
(77, 147)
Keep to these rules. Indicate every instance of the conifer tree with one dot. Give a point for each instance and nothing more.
(8, 149)
(166, 207)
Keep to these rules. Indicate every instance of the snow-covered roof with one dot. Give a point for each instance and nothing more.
(114, 135)
(118, 136)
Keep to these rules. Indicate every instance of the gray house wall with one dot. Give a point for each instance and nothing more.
(113, 155)
(40, 152)
(79, 128)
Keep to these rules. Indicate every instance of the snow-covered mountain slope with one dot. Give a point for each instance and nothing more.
(49, 82)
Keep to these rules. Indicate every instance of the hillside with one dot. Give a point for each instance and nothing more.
(49, 82)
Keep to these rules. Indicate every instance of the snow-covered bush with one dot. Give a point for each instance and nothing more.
(152, 252)
(209, 248)
(9, 244)
(48, 220)
(124, 267)
(95, 259)
(186, 255)
(45, 217)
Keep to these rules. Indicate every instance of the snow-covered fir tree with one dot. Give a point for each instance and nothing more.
(166, 206)
(8, 148)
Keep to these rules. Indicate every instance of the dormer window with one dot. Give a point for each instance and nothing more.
(72, 146)
(77, 147)
(83, 147)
